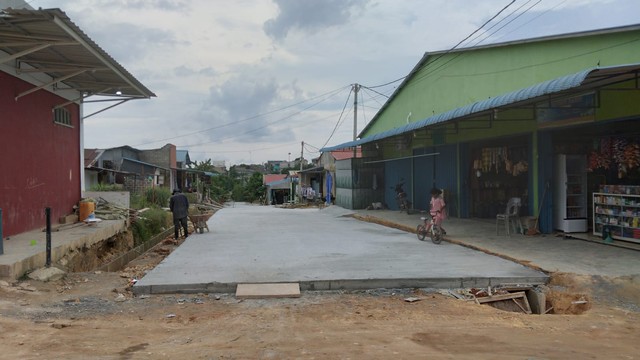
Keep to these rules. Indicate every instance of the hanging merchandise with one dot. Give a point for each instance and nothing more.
(623, 152)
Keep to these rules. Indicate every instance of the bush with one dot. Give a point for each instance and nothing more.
(150, 223)
(138, 201)
(106, 187)
(158, 196)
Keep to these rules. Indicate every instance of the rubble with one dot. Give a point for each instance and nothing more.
(524, 298)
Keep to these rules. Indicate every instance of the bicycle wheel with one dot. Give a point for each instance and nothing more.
(421, 231)
(436, 234)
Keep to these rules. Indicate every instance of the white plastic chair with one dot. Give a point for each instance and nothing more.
(510, 216)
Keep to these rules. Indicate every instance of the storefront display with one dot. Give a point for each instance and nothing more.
(497, 174)
(616, 210)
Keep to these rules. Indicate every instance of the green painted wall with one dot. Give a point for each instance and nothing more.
(456, 79)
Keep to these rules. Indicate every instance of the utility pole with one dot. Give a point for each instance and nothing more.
(301, 155)
(356, 88)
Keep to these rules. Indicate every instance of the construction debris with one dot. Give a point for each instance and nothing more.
(412, 299)
(106, 210)
(509, 297)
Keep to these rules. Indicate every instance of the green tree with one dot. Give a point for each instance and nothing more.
(221, 187)
(254, 189)
(238, 192)
(203, 165)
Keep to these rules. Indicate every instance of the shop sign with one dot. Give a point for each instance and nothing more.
(565, 111)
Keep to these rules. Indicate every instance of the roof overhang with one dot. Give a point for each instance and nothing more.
(46, 42)
(581, 82)
(313, 170)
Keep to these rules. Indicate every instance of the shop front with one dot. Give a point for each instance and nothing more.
(498, 172)
(604, 180)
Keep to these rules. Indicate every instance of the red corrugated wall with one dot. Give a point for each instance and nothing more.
(40, 160)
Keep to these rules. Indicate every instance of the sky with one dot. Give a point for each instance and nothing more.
(249, 81)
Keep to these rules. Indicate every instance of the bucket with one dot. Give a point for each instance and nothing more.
(86, 208)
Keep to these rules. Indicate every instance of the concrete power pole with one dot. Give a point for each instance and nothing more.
(356, 88)
(301, 155)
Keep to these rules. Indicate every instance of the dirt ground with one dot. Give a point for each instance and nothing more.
(93, 315)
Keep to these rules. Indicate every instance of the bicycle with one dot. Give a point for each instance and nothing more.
(430, 228)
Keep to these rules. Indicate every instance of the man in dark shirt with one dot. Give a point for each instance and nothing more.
(179, 205)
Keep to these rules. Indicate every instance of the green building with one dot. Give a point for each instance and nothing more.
(549, 120)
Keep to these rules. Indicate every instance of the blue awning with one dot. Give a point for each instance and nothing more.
(556, 85)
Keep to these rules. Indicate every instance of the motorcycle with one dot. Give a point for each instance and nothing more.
(401, 198)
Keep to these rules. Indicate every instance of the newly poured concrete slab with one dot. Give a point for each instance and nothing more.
(321, 250)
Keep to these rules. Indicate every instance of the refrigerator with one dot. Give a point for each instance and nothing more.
(570, 193)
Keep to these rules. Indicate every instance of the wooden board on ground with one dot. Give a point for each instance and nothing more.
(510, 302)
(268, 290)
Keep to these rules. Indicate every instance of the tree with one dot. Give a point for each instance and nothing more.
(254, 189)
(203, 166)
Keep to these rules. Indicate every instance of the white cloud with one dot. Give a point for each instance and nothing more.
(253, 63)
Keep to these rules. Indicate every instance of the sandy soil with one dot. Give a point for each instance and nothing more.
(94, 315)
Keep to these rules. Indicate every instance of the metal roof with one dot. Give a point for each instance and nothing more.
(183, 156)
(428, 55)
(582, 81)
(47, 41)
(144, 163)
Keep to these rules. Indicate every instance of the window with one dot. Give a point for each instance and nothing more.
(61, 116)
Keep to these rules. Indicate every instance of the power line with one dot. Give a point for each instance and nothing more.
(535, 17)
(339, 118)
(451, 49)
(245, 150)
(428, 66)
(267, 124)
(329, 94)
(501, 20)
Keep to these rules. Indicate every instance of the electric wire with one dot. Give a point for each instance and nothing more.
(498, 23)
(329, 94)
(428, 67)
(339, 118)
(534, 18)
(451, 49)
(244, 150)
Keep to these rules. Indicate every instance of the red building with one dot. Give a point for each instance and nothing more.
(48, 69)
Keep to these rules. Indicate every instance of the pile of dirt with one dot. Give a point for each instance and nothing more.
(575, 294)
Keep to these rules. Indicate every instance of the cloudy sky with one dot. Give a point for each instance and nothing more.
(247, 81)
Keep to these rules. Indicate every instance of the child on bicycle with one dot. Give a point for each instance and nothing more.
(437, 208)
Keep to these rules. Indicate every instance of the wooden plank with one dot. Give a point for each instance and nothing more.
(268, 290)
(492, 298)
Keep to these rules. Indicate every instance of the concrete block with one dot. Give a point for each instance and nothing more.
(537, 300)
(279, 290)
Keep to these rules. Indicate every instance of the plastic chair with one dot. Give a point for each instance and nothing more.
(509, 216)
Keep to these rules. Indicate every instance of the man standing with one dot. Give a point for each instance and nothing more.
(179, 205)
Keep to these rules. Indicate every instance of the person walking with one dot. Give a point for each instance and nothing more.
(179, 206)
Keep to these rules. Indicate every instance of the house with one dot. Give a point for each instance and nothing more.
(549, 120)
(136, 170)
(278, 188)
(330, 166)
(48, 69)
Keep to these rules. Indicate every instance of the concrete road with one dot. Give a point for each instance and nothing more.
(321, 249)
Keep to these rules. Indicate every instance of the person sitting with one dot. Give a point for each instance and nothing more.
(438, 208)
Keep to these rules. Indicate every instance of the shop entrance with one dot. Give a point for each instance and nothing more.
(612, 164)
(498, 172)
